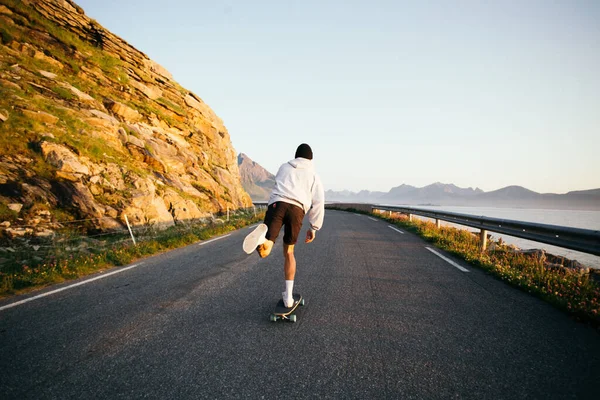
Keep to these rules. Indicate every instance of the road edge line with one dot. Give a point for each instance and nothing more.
(397, 230)
(215, 239)
(447, 259)
(39, 296)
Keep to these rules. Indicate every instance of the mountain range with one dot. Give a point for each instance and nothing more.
(451, 195)
(258, 182)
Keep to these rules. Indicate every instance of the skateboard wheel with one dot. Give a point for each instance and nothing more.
(293, 318)
(302, 302)
(272, 317)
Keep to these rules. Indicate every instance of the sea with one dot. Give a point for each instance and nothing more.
(570, 218)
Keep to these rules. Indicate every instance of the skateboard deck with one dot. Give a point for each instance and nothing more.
(282, 312)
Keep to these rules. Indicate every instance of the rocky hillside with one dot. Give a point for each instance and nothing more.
(91, 128)
(256, 180)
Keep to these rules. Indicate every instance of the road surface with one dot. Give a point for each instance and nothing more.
(385, 318)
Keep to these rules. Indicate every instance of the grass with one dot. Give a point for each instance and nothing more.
(6, 214)
(5, 37)
(573, 292)
(60, 263)
(171, 106)
(63, 93)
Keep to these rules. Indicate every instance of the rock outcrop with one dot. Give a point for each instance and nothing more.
(93, 128)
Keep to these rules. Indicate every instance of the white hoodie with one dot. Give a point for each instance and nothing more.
(297, 183)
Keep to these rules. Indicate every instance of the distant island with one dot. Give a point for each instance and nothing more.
(258, 182)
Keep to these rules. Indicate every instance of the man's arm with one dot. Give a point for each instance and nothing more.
(316, 213)
(310, 236)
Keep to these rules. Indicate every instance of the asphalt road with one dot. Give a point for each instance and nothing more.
(385, 318)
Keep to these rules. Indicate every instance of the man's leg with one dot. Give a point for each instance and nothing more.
(289, 271)
(289, 266)
(274, 221)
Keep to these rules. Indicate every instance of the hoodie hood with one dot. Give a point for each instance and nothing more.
(301, 163)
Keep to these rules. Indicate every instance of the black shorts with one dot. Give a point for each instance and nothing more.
(288, 215)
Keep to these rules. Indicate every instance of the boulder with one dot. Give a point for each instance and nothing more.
(47, 74)
(4, 10)
(63, 159)
(18, 232)
(183, 210)
(146, 207)
(104, 116)
(98, 122)
(16, 207)
(80, 95)
(150, 91)
(9, 84)
(3, 116)
(44, 233)
(31, 51)
(113, 177)
(126, 113)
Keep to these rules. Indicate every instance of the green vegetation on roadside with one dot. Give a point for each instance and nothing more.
(62, 262)
(570, 291)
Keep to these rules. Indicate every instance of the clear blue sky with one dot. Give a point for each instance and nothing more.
(390, 92)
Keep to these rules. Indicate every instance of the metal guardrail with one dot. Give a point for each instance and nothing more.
(584, 240)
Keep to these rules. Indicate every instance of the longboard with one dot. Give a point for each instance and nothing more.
(282, 312)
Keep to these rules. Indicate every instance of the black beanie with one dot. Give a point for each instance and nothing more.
(304, 151)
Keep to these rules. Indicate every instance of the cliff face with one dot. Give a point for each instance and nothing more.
(256, 180)
(92, 128)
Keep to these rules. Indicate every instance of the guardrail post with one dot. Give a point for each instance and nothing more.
(410, 217)
(129, 227)
(438, 223)
(483, 237)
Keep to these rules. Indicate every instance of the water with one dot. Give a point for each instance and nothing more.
(572, 218)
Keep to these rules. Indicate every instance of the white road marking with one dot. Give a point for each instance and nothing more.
(397, 230)
(252, 226)
(447, 259)
(372, 219)
(68, 287)
(212, 240)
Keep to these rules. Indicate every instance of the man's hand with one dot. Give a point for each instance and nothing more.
(310, 236)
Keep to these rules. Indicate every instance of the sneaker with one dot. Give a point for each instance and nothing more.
(255, 238)
(288, 301)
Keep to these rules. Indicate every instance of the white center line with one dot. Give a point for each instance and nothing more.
(212, 240)
(397, 230)
(252, 226)
(447, 259)
(68, 287)
(372, 219)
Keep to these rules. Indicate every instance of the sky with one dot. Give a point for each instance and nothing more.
(386, 92)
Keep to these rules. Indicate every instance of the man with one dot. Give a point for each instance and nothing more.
(298, 190)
